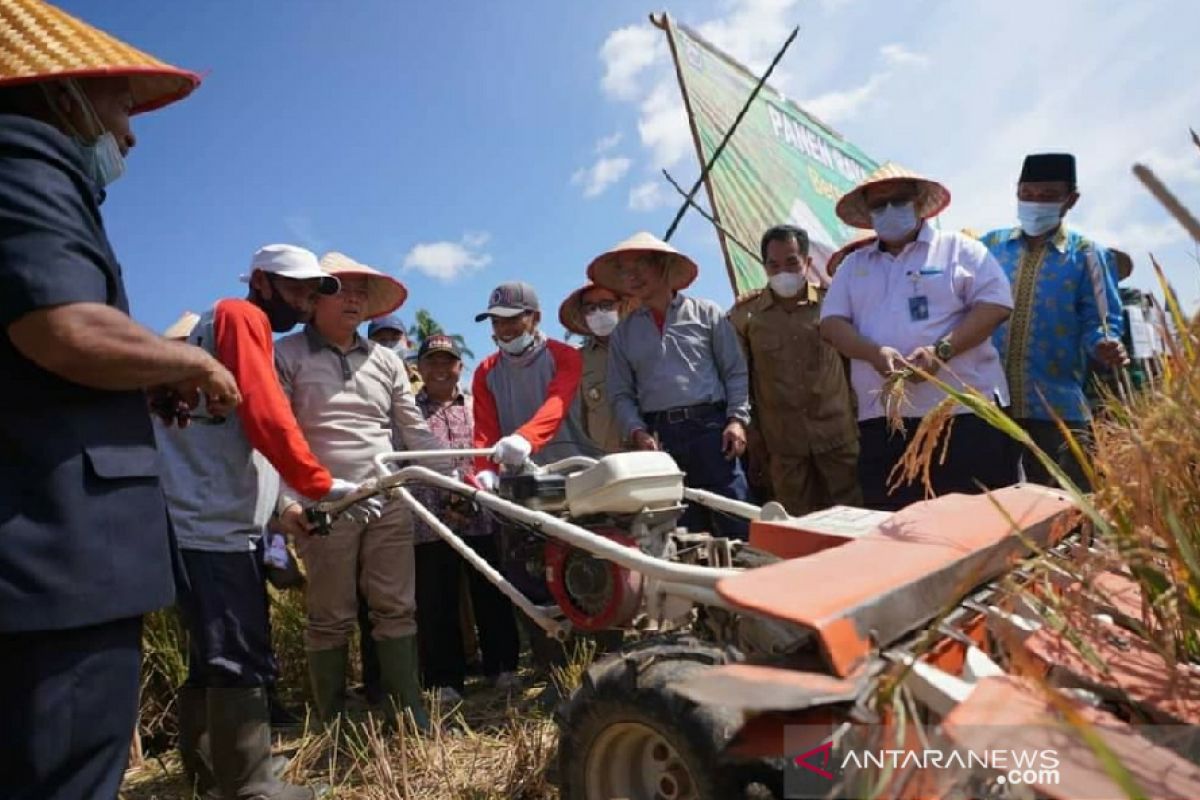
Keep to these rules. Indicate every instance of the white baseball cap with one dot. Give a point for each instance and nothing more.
(289, 261)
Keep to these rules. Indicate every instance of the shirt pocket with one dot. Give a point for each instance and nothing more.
(119, 462)
(766, 344)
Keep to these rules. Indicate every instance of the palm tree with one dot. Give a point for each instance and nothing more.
(425, 326)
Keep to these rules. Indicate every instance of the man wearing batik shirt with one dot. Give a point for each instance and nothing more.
(1065, 308)
(448, 411)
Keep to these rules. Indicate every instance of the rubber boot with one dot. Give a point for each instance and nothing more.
(398, 674)
(191, 708)
(239, 727)
(327, 670)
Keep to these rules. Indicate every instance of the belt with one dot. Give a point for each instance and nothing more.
(682, 413)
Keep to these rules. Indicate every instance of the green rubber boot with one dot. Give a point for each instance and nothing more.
(398, 674)
(327, 670)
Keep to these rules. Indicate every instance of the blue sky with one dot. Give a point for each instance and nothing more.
(460, 144)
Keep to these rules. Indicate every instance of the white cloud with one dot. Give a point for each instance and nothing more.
(606, 143)
(837, 106)
(663, 125)
(900, 56)
(446, 261)
(627, 53)
(601, 175)
(648, 196)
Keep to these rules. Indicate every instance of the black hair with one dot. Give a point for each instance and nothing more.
(784, 233)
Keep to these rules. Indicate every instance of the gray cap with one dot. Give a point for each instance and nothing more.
(509, 300)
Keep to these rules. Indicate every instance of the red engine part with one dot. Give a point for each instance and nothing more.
(593, 593)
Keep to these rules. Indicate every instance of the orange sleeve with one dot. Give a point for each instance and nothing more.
(487, 419)
(568, 371)
(244, 345)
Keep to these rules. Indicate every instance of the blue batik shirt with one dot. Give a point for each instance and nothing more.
(1056, 320)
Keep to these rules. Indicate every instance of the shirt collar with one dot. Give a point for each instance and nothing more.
(810, 294)
(317, 342)
(459, 398)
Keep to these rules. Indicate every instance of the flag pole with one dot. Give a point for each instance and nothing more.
(688, 198)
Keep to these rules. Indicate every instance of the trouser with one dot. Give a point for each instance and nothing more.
(1047, 436)
(227, 614)
(443, 662)
(376, 558)
(695, 444)
(804, 484)
(69, 702)
(978, 454)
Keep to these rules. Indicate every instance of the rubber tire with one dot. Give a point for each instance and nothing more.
(633, 686)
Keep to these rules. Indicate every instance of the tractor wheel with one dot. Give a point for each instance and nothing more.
(625, 734)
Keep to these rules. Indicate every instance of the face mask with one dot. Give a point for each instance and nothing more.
(517, 345)
(1038, 218)
(282, 315)
(400, 349)
(786, 284)
(893, 223)
(602, 323)
(102, 159)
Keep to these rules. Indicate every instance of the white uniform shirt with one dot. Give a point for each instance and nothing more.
(877, 291)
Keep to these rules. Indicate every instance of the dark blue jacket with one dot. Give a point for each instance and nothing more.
(84, 535)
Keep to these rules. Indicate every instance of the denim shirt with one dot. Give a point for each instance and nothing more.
(695, 359)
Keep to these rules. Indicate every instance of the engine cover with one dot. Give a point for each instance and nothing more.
(594, 594)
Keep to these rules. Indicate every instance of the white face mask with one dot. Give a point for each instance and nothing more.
(602, 323)
(1038, 218)
(893, 223)
(102, 159)
(516, 345)
(786, 284)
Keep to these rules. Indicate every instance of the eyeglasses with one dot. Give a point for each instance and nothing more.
(893, 202)
(603, 305)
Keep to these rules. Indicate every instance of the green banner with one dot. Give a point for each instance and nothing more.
(781, 165)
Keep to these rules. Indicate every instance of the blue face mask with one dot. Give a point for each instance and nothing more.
(102, 159)
(1038, 218)
(894, 222)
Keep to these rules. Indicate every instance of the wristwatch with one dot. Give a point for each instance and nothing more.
(943, 349)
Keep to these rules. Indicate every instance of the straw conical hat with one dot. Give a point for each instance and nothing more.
(182, 327)
(384, 293)
(681, 270)
(932, 197)
(570, 313)
(39, 42)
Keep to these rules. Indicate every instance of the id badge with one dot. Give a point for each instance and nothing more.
(918, 308)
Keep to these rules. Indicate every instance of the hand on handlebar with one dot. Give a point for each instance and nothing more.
(487, 480)
(512, 450)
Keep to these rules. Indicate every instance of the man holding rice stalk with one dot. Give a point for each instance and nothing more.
(924, 298)
(1067, 308)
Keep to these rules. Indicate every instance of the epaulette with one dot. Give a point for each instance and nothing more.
(971, 233)
(746, 297)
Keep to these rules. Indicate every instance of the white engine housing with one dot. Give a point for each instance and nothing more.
(626, 483)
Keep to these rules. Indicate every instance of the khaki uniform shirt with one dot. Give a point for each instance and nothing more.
(599, 422)
(350, 405)
(798, 385)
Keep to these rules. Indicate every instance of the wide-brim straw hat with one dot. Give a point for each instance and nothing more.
(39, 42)
(182, 327)
(571, 315)
(932, 197)
(384, 293)
(681, 270)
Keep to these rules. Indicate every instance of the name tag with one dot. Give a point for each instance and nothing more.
(918, 308)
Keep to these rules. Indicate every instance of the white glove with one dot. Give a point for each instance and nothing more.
(487, 480)
(276, 554)
(338, 490)
(512, 450)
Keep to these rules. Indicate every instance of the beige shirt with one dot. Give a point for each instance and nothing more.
(349, 405)
(798, 387)
(599, 422)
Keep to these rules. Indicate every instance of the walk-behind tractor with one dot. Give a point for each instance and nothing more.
(756, 669)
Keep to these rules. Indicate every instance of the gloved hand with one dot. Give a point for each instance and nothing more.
(364, 510)
(512, 450)
(487, 480)
(338, 490)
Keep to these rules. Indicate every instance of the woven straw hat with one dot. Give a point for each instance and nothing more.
(38, 42)
(182, 327)
(570, 313)
(384, 293)
(681, 270)
(932, 197)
